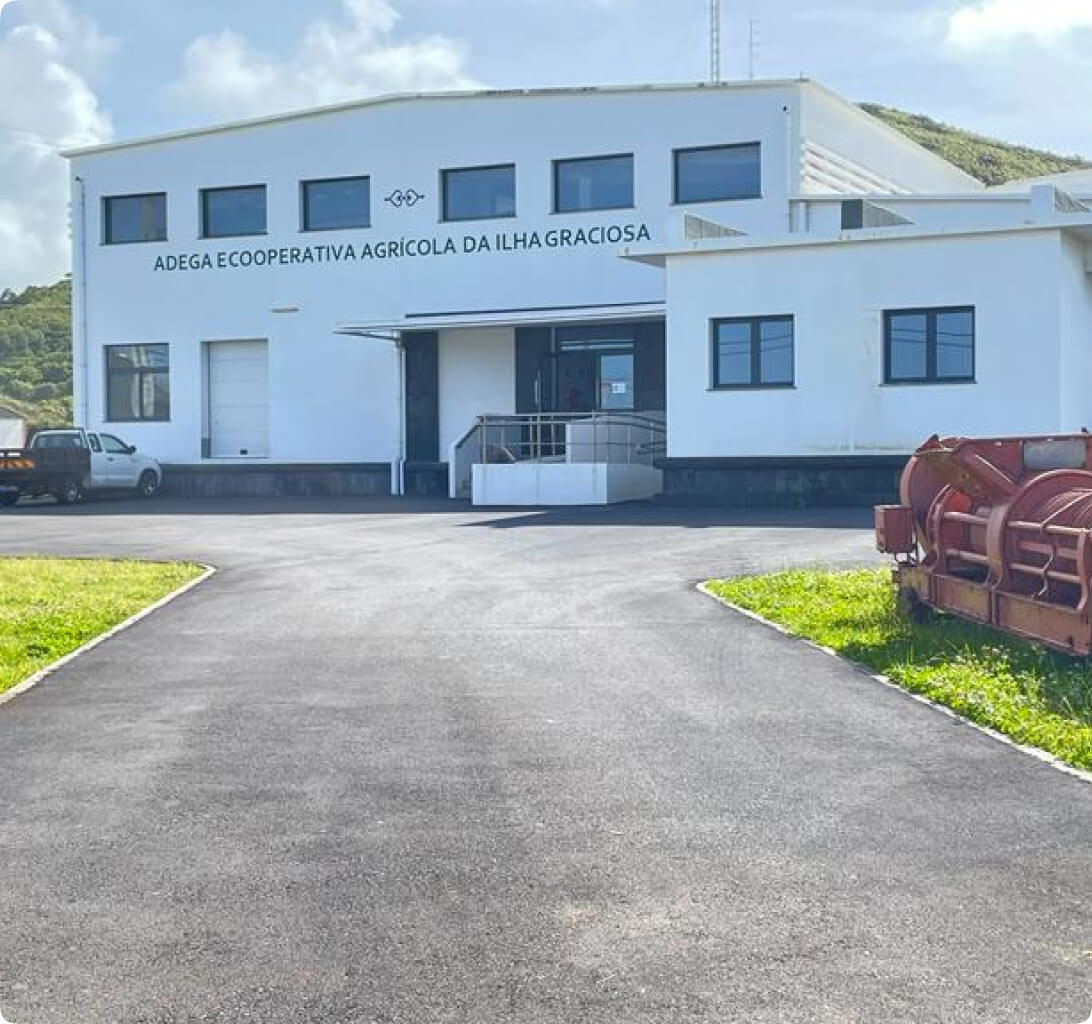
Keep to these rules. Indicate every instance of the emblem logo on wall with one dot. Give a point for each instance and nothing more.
(404, 197)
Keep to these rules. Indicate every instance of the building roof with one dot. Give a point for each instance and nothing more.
(488, 94)
(1077, 224)
(1078, 181)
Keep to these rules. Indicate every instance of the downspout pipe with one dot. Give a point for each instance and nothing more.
(400, 465)
(80, 405)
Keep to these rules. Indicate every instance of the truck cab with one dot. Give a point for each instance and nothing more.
(71, 462)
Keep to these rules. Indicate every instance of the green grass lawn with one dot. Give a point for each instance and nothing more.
(1026, 692)
(50, 606)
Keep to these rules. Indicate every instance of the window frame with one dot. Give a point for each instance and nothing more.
(444, 172)
(930, 314)
(305, 182)
(139, 372)
(683, 150)
(555, 167)
(106, 200)
(756, 383)
(203, 210)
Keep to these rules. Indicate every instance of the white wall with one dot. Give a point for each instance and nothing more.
(870, 145)
(334, 398)
(837, 293)
(1075, 367)
(477, 377)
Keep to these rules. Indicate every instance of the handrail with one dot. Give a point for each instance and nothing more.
(600, 436)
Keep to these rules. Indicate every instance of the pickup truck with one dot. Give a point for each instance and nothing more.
(73, 462)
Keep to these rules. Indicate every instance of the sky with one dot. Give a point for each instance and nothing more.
(80, 72)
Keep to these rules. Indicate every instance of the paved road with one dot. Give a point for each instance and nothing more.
(405, 764)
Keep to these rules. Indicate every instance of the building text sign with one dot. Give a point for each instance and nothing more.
(406, 248)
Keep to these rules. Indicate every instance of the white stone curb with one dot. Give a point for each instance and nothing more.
(1039, 755)
(41, 674)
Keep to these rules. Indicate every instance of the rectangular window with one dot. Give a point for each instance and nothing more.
(478, 193)
(712, 173)
(233, 211)
(137, 383)
(336, 203)
(140, 218)
(922, 345)
(753, 352)
(593, 183)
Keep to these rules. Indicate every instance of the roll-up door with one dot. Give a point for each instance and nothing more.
(239, 399)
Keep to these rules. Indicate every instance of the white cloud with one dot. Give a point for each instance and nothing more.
(989, 22)
(48, 105)
(224, 76)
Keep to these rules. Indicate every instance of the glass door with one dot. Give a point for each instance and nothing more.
(615, 374)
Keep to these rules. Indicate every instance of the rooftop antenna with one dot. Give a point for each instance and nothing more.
(714, 41)
(752, 47)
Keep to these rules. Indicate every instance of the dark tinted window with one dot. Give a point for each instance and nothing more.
(336, 203)
(714, 173)
(137, 383)
(475, 193)
(135, 218)
(923, 345)
(753, 352)
(594, 183)
(233, 211)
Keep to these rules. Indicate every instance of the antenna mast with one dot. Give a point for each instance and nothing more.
(714, 41)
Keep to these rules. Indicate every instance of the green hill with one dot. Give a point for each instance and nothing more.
(36, 353)
(989, 160)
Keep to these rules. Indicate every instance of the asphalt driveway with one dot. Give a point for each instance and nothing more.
(402, 763)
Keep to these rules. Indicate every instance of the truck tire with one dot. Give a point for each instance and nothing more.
(9, 497)
(148, 486)
(68, 493)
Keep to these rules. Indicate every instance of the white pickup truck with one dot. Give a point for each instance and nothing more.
(72, 462)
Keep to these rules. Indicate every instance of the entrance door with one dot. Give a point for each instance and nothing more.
(238, 399)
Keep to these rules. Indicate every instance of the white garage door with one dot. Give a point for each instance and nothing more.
(239, 399)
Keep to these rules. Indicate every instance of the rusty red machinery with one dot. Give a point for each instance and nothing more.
(999, 531)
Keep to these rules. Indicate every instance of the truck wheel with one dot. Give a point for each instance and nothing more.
(69, 492)
(9, 498)
(148, 487)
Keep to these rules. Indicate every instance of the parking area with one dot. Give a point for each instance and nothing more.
(409, 762)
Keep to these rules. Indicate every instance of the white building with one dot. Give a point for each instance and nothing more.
(330, 301)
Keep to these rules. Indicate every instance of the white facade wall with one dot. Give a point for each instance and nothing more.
(477, 377)
(334, 398)
(1075, 357)
(1031, 306)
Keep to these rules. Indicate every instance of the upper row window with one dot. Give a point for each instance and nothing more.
(233, 211)
(713, 173)
(478, 193)
(140, 218)
(701, 175)
(593, 183)
(336, 203)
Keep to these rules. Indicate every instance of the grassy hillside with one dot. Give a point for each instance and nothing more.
(36, 353)
(989, 160)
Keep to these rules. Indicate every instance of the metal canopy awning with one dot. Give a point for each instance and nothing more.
(390, 329)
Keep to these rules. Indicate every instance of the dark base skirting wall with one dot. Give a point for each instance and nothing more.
(830, 481)
(333, 480)
(425, 479)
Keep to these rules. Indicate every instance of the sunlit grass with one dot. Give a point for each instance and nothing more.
(51, 606)
(1024, 691)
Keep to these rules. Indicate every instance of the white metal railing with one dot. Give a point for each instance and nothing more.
(603, 437)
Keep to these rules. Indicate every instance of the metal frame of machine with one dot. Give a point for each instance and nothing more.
(999, 531)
